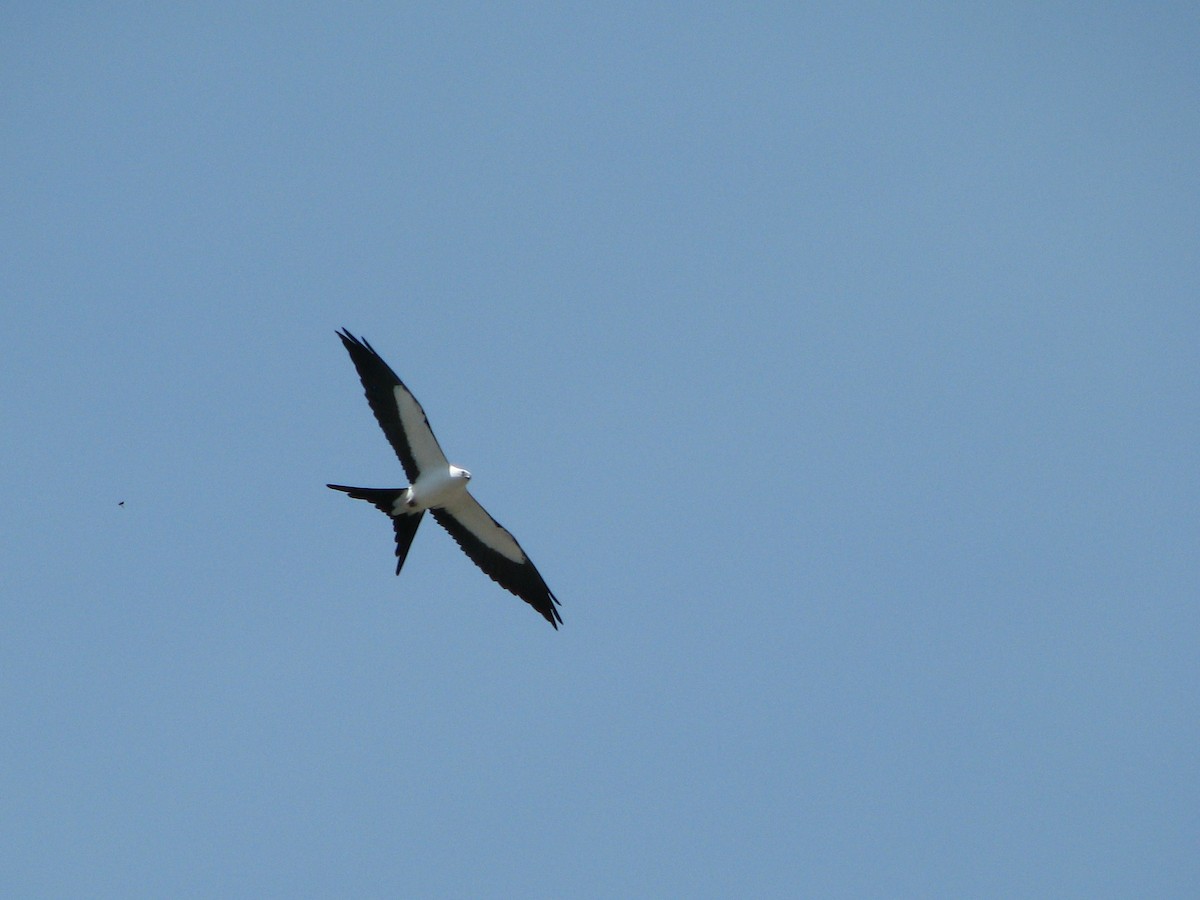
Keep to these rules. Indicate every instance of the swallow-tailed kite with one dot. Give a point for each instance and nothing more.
(437, 486)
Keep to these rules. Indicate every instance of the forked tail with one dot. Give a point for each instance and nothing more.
(384, 499)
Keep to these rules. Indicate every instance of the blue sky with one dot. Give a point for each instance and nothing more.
(836, 363)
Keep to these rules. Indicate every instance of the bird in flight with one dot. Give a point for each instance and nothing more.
(437, 486)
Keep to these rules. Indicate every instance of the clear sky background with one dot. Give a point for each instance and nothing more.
(837, 364)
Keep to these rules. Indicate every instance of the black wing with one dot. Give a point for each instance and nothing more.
(396, 410)
(493, 549)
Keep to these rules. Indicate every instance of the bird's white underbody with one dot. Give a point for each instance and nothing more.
(435, 487)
